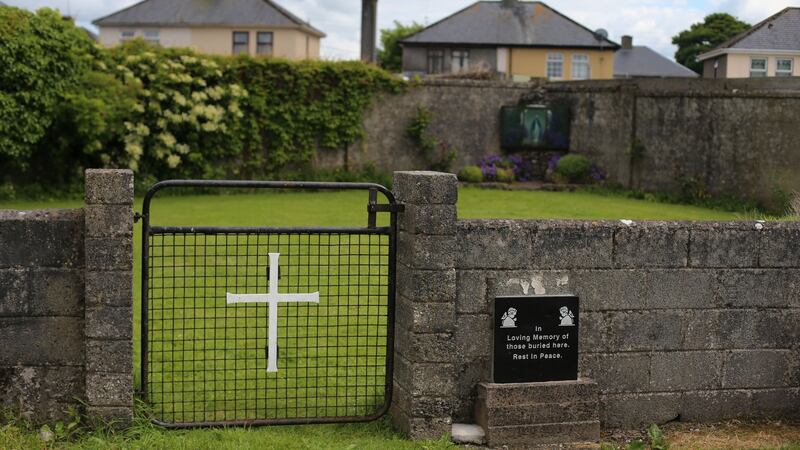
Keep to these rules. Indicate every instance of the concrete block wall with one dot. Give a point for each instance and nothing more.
(65, 305)
(41, 311)
(687, 321)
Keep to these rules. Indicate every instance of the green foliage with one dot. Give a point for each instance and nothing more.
(439, 154)
(294, 107)
(703, 36)
(636, 150)
(574, 168)
(657, 439)
(471, 174)
(165, 113)
(390, 56)
(784, 201)
(505, 175)
(42, 58)
(654, 436)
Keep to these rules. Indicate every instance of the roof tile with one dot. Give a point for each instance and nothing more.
(509, 23)
(205, 12)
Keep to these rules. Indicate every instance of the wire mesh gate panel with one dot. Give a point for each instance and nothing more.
(208, 294)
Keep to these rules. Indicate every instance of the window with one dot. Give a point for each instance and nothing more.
(435, 61)
(127, 35)
(785, 67)
(460, 61)
(581, 70)
(152, 36)
(241, 43)
(555, 65)
(264, 43)
(758, 67)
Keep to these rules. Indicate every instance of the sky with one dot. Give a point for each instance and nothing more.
(650, 22)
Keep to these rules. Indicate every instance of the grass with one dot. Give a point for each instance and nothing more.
(730, 435)
(378, 435)
(201, 346)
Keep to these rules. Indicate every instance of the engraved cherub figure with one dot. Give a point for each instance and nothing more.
(567, 318)
(510, 318)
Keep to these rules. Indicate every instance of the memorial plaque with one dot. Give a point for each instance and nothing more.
(535, 339)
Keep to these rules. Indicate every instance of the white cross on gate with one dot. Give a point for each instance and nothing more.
(272, 297)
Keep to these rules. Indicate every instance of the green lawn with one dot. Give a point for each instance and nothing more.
(207, 359)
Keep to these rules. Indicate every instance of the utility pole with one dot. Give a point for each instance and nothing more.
(369, 31)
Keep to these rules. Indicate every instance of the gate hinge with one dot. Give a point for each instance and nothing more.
(136, 217)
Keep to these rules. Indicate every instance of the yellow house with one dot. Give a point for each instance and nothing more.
(220, 27)
(769, 49)
(519, 40)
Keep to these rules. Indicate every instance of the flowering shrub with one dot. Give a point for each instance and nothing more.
(519, 167)
(187, 115)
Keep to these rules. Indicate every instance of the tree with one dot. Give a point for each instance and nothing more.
(390, 56)
(42, 57)
(702, 37)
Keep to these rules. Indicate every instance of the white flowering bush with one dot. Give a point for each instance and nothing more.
(186, 118)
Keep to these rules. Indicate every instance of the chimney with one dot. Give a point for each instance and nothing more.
(369, 30)
(510, 3)
(627, 42)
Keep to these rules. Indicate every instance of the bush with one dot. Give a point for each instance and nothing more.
(574, 168)
(505, 175)
(42, 58)
(471, 174)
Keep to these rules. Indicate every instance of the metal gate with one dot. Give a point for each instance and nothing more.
(262, 326)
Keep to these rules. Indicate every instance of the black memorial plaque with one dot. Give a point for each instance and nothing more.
(535, 339)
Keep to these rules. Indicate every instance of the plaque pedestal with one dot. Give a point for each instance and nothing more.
(525, 415)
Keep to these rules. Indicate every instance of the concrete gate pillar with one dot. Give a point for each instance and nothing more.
(424, 373)
(109, 295)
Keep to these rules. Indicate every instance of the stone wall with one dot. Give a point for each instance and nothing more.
(65, 305)
(721, 137)
(680, 321)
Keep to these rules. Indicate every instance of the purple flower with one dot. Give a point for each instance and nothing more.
(597, 173)
(553, 163)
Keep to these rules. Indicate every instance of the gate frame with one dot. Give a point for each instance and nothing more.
(373, 208)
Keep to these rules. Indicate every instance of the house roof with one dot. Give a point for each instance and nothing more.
(206, 13)
(510, 23)
(778, 32)
(642, 61)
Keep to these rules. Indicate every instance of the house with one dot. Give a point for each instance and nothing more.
(643, 62)
(769, 49)
(518, 40)
(229, 27)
